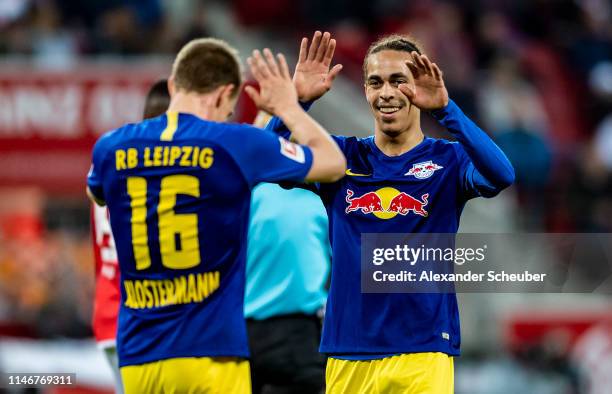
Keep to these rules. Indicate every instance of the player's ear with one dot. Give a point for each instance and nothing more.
(228, 92)
(224, 95)
(214, 98)
(171, 86)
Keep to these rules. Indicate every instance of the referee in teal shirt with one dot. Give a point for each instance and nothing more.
(288, 259)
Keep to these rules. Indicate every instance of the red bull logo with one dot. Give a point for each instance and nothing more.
(386, 203)
(367, 203)
(404, 203)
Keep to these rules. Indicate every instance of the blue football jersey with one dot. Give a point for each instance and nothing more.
(423, 190)
(178, 189)
(383, 194)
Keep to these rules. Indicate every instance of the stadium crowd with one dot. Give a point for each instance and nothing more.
(536, 74)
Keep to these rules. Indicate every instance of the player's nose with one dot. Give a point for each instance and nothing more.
(387, 92)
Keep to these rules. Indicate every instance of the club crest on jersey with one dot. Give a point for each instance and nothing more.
(291, 150)
(424, 169)
(386, 203)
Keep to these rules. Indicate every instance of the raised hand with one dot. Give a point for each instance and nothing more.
(277, 92)
(426, 90)
(313, 77)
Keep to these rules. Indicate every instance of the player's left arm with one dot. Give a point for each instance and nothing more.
(488, 171)
(313, 75)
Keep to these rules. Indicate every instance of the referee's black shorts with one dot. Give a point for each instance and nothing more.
(285, 354)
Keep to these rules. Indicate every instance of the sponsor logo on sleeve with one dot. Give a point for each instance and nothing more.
(291, 150)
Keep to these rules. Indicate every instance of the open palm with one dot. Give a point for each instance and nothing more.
(313, 77)
(426, 90)
(277, 92)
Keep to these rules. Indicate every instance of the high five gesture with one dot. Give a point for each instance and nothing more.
(313, 76)
(276, 89)
(278, 96)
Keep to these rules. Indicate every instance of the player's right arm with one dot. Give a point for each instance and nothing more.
(278, 96)
(94, 177)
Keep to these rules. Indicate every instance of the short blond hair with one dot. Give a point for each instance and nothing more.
(204, 64)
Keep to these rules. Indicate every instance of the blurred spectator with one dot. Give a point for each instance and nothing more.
(511, 110)
(603, 142)
(45, 277)
(441, 31)
(593, 355)
(11, 10)
(191, 27)
(590, 190)
(508, 102)
(58, 31)
(53, 45)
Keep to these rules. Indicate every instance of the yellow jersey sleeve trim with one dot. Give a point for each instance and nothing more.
(168, 133)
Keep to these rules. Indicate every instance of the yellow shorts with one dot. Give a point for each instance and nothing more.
(188, 375)
(414, 373)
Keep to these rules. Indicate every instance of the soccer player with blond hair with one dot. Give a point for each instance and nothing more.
(178, 189)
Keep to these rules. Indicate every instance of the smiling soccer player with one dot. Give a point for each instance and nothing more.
(398, 181)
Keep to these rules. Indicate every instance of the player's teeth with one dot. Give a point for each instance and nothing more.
(389, 109)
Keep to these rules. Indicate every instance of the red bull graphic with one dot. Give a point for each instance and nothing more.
(404, 203)
(386, 203)
(368, 203)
